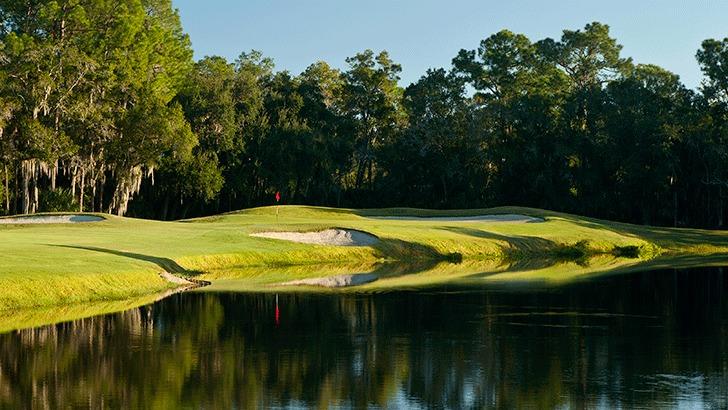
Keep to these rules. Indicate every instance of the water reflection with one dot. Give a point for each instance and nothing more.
(644, 340)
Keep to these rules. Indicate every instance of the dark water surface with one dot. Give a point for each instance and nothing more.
(652, 340)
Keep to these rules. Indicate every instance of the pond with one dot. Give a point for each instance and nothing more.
(643, 340)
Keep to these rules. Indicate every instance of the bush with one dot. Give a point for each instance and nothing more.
(575, 252)
(626, 251)
(454, 257)
(58, 200)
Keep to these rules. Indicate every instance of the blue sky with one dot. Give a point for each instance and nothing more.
(422, 34)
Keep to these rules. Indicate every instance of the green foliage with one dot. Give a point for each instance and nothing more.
(437, 143)
(58, 200)
(573, 252)
(102, 97)
(197, 177)
(588, 57)
(91, 85)
(713, 58)
(630, 251)
(209, 104)
(371, 101)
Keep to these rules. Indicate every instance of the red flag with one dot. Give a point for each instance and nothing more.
(278, 196)
(278, 313)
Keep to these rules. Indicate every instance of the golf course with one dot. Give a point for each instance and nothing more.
(53, 261)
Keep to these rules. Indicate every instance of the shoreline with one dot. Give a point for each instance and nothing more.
(43, 315)
(62, 264)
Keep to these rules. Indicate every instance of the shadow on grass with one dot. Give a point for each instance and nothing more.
(405, 251)
(168, 265)
(529, 244)
(406, 258)
(401, 258)
(523, 253)
(519, 253)
(662, 236)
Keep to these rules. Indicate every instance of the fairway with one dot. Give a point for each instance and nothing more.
(121, 258)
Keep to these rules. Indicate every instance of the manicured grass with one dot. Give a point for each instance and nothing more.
(39, 316)
(119, 258)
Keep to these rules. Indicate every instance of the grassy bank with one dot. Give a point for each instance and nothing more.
(45, 265)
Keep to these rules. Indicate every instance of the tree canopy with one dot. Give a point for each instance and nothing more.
(102, 108)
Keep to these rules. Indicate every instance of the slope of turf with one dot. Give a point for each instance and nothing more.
(45, 265)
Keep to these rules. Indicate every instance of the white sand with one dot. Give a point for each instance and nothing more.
(338, 281)
(514, 218)
(336, 237)
(175, 279)
(50, 219)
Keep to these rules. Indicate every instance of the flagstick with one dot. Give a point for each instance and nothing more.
(278, 203)
(278, 313)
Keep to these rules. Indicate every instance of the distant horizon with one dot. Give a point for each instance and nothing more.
(423, 35)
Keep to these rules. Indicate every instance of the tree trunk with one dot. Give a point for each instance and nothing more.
(165, 207)
(371, 175)
(16, 189)
(74, 172)
(100, 206)
(185, 210)
(444, 189)
(26, 189)
(359, 175)
(34, 207)
(674, 208)
(93, 191)
(81, 187)
(7, 189)
(54, 172)
(720, 206)
(295, 193)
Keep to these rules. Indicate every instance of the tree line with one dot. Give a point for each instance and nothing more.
(102, 108)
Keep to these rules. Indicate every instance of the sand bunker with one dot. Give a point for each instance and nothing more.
(50, 219)
(514, 218)
(338, 281)
(336, 237)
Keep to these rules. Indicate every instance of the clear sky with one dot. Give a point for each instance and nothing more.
(422, 34)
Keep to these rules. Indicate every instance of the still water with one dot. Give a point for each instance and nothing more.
(652, 340)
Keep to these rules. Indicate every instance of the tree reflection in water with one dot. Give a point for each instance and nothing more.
(657, 338)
